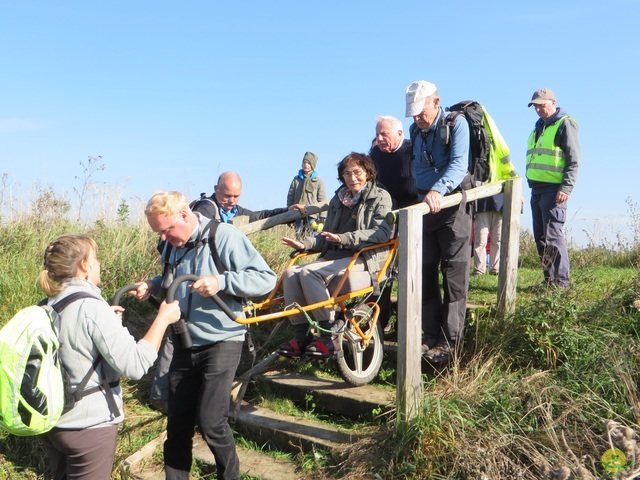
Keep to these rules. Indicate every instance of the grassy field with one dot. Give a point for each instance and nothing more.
(544, 393)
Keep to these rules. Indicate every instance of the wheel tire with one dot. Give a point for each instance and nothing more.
(356, 365)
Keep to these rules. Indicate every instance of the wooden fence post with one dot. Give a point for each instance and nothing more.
(508, 279)
(409, 319)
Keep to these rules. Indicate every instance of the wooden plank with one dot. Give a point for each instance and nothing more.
(508, 279)
(482, 191)
(409, 326)
(286, 217)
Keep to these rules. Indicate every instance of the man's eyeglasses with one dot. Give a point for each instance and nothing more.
(353, 173)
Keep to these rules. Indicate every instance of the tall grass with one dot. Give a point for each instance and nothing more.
(620, 255)
(531, 394)
(127, 253)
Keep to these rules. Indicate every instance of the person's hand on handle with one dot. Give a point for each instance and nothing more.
(434, 200)
(206, 286)
(143, 292)
(117, 309)
(169, 313)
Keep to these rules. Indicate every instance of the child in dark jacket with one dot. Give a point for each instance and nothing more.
(307, 188)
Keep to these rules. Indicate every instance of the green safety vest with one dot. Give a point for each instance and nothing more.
(545, 160)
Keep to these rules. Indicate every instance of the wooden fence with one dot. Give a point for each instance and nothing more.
(409, 388)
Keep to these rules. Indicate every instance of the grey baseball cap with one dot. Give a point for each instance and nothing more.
(542, 96)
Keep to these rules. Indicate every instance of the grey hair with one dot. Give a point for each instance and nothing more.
(393, 121)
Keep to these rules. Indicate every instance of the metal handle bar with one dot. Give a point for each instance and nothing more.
(180, 327)
(190, 277)
(120, 293)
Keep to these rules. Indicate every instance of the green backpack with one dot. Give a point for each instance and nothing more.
(34, 386)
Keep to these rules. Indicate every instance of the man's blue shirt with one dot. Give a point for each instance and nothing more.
(438, 167)
(227, 216)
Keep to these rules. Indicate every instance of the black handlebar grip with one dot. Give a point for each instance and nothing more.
(224, 307)
(189, 277)
(180, 327)
(120, 293)
(180, 330)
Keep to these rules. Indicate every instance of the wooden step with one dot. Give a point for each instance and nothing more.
(329, 395)
(252, 463)
(289, 433)
(281, 431)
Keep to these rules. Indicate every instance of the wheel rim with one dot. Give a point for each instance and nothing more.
(359, 364)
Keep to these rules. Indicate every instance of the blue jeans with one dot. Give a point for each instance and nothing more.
(200, 381)
(548, 224)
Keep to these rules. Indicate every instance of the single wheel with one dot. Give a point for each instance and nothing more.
(358, 363)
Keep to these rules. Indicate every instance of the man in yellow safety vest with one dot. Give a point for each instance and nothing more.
(553, 160)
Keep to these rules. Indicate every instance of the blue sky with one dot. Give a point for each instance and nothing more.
(171, 94)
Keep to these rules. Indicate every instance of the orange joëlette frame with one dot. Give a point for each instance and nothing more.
(335, 299)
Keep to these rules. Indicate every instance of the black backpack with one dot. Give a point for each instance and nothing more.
(478, 167)
(206, 206)
(478, 136)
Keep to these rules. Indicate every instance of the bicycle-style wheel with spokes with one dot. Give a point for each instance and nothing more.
(360, 356)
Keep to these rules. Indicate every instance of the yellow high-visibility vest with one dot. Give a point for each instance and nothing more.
(500, 166)
(545, 160)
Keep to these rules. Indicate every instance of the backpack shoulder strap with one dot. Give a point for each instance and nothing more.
(451, 118)
(60, 305)
(81, 390)
(164, 249)
(213, 228)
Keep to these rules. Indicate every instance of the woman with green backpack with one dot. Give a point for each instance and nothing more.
(83, 443)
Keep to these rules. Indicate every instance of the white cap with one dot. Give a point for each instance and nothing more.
(417, 93)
